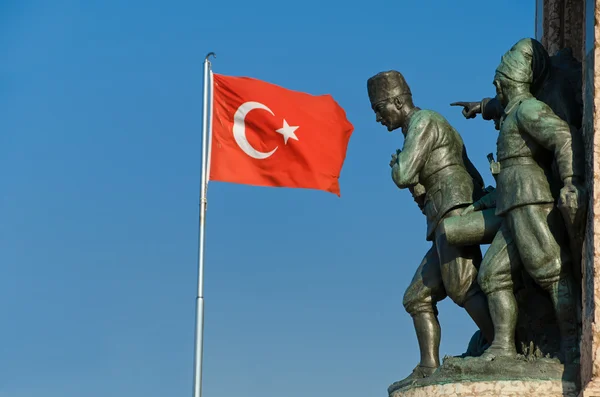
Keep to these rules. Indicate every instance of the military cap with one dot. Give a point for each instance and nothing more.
(386, 85)
(516, 63)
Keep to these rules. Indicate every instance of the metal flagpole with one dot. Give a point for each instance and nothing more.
(203, 188)
(211, 99)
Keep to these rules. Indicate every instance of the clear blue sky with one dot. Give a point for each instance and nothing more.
(100, 132)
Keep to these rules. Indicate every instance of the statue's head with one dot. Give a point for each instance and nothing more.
(390, 96)
(523, 67)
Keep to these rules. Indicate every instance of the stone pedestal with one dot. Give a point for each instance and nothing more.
(475, 377)
(508, 388)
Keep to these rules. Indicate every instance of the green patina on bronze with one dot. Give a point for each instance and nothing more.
(533, 220)
(435, 167)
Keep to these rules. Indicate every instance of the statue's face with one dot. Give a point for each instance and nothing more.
(388, 114)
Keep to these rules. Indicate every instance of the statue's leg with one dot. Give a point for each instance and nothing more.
(420, 300)
(428, 332)
(500, 264)
(542, 242)
(459, 272)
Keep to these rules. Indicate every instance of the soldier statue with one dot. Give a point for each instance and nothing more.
(556, 81)
(434, 165)
(532, 142)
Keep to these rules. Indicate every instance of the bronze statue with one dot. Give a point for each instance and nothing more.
(532, 141)
(435, 166)
(556, 81)
(534, 220)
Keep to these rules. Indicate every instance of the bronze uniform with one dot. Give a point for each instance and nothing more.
(434, 156)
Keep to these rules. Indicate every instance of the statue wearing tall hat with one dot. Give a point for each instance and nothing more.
(532, 141)
(556, 81)
(434, 160)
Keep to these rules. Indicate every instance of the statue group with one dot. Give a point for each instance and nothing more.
(524, 294)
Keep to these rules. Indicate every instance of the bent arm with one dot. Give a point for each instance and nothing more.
(417, 147)
(554, 134)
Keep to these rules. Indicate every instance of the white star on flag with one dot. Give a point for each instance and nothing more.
(287, 131)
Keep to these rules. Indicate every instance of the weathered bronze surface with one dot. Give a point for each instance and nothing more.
(434, 165)
(533, 219)
(540, 195)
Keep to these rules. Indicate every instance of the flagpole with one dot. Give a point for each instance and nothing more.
(211, 99)
(199, 332)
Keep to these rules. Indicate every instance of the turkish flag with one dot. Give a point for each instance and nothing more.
(266, 135)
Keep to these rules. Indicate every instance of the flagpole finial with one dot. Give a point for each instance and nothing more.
(209, 55)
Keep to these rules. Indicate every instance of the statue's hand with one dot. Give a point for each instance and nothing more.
(476, 206)
(487, 201)
(470, 109)
(468, 210)
(571, 195)
(394, 159)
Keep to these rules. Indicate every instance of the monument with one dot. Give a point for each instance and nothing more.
(533, 293)
(435, 161)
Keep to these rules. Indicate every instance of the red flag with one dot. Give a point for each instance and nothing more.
(266, 135)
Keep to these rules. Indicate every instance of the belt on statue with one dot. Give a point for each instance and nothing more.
(509, 162)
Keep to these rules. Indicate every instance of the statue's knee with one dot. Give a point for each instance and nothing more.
(485, 281)
(415, 304)
(458, 294)
(548, 274)
(409, 303)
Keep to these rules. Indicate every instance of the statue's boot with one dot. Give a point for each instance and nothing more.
(428, 332)
(478, 308)
(420, 372)
(504, 312)
(563, 295)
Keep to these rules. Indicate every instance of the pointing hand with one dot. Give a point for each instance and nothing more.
(470, 109)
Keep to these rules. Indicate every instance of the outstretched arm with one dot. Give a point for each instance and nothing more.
(470, 109)
(489, 108)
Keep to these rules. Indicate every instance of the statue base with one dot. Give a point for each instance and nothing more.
(515, 377)
(512, 388)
